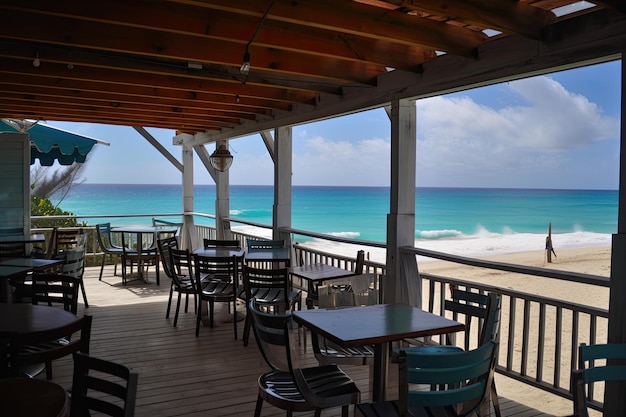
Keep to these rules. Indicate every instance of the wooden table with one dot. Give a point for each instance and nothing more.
(33, 397)
(36, 264)
(6, 272)
(376, 325)
(316, 274)
(28, 318)
(269, 255)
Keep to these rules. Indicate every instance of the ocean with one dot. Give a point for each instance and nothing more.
(464, 221)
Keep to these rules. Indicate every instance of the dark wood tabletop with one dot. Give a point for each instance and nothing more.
(34, 238)
(320, 272)
(32, 397)
(34, 263)
(28, 318)
(269, 254)
(219, 252)
(6, 272)
(380, 323)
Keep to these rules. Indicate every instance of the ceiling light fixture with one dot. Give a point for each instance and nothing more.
(221, 159)
(245, 67)
(36, 61)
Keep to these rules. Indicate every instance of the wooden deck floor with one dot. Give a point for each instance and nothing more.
(212, 375)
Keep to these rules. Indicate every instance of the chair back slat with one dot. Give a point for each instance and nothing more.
(462, 377)
(96, 385)
(220, 243)
(612, 367)
(264, 244)
(55, 289)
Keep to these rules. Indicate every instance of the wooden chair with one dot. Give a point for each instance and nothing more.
(28, 350)
(54, 290)
(216, 282)
(289, 386)
(66, 239)
(74, 265)
(271, 289)
(183, 279)
(103, 231)
(613, 368)
(462, 379)
(97, 383)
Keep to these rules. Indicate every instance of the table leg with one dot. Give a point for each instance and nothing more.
(5, 290)
(381, 361)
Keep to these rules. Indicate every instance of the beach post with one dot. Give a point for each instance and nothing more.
(549, 249)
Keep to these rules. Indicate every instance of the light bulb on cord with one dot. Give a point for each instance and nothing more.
(245, 67)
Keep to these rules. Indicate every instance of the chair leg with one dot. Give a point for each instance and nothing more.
(169, 301)
(177, 310)
(104, 258)
(246, 329)
(48, 370)
(82, 287)
(198, 319)
(259, 405)
(494, 399)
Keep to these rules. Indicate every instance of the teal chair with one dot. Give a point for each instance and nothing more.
(460, 382)
(584, 377)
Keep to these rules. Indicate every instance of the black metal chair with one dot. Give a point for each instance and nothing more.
(216, 282)
(183, 279)
(289, 386)
(271, 289)
(97, 383)
(103, 231)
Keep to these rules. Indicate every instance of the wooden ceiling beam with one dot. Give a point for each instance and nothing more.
(206, 114)
(512, 17)
(121, 114)
(108, 99)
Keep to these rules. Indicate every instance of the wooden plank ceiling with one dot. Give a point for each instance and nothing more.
(176, 64)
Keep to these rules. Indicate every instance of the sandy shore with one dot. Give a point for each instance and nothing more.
(593, 260)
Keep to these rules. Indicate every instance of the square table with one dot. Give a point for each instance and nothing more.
(37, 265)
(316, 274)
(6, 272)
(269, 255)
(376, 325)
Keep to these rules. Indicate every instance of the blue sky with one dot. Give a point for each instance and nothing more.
(555, 131)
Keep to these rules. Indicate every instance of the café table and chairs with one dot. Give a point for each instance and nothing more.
(143, 253)
(375, 325)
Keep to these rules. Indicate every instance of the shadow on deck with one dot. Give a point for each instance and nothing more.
(211, 375)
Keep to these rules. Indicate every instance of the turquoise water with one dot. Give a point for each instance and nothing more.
(442, 214)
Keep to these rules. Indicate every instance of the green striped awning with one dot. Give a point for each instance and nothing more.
(49, 144)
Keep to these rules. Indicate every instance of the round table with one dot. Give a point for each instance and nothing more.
(33, 397)
(28, 318)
